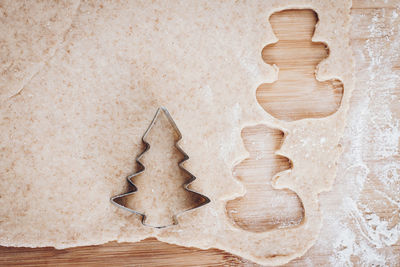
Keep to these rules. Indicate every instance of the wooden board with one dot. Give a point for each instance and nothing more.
(247, 212)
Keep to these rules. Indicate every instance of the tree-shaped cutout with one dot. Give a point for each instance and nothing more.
(297, 94)
(263, 207)
(160, 189)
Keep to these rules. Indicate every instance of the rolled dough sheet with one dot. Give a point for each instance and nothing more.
(90, 76)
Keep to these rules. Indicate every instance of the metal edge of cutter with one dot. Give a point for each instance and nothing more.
(205, 200)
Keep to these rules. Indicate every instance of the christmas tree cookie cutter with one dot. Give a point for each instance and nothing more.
(203, 199)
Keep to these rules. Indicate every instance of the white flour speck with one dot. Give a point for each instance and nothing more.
(364, 234)
(356, 230)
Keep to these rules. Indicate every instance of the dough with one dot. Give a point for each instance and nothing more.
(70, 132)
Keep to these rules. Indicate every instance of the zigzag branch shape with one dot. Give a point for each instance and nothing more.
(205, 200)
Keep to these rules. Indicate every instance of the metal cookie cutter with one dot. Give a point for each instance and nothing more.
(204, 200)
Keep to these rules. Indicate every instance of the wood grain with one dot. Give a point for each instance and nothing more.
(297, 94)
(151, 252)
(263, 208)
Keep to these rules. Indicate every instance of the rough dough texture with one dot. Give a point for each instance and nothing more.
(86, 87)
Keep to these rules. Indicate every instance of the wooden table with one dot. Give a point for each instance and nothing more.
(246, 212)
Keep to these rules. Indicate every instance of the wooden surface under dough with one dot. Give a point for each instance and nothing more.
(151, 252)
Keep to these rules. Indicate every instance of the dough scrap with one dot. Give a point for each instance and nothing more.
(70, 137)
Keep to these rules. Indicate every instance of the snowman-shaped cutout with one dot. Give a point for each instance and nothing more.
(297, 94)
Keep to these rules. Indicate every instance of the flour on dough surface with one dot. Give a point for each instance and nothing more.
(70, 137)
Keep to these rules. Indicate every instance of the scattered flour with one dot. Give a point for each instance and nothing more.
(365, 235)
(362, 212)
